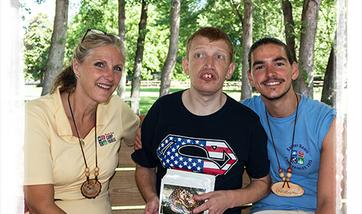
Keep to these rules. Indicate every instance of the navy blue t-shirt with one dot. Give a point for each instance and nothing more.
(221, 144)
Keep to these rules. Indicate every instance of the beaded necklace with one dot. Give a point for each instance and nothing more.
(91, 187)
(278, 188)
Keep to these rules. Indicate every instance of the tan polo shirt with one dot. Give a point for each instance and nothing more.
(53, 154)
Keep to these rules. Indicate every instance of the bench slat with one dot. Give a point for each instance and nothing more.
(125, 159)
(127, 211)
(123, 189)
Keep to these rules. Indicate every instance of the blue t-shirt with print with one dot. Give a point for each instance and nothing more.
(313, 123)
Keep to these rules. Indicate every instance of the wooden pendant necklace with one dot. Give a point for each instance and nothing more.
(91, 187)
(285, 187)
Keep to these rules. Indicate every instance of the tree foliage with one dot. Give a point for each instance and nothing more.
(101, 15)
(267, 21)
(36, 46)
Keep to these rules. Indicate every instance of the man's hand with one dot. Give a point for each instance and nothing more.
(137, 141)
(152, 206)
(216, 202)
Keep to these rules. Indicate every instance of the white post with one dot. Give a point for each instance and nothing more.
(354, 117)
(11, 109)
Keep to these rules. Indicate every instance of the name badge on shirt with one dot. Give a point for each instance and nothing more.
(106, 139)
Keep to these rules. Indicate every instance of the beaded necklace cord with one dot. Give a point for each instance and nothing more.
(286, 179)
(91, 187)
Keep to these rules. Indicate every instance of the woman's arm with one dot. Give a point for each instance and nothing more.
(40, 199)
(38, 165)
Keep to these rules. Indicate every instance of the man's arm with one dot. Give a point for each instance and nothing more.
(326, 183)
(137, 142)
(219, 201)
(40, 199)
(256, 190)
(146, 183)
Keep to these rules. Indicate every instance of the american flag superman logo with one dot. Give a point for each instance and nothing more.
(209, 156)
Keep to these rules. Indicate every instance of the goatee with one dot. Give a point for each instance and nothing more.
(278, 97)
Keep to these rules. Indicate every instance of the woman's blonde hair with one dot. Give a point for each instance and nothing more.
(66, 80)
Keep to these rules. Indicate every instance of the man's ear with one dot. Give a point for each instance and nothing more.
(230, 71)
(75, 66)
(250, 78)
(185, 66)
(295, 71)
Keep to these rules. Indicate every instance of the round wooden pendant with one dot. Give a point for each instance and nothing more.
(91, 188)
(294, 190)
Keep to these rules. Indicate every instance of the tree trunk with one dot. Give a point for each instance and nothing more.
(57, 47)
(304, 83)
(289, 26)
(121, 90)
(137, 67)
(329, 87)
(247, 40)
(172, 49)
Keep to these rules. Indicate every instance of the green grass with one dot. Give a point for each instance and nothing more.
(154, 90)
(148, 96)
(146, 103)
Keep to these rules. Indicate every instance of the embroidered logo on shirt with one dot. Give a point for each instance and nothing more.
(300, 159)
(209, 156)
(106, 139)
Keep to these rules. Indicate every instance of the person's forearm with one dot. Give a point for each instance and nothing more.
(39, 208)
(327, 208)
(40, 199)
(256, 190)
(326, 205)
(146, 182)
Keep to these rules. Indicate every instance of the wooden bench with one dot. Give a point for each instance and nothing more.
(125, 197)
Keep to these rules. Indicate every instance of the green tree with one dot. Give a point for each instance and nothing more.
(172, 49)
(268, 20)
(329, 86)
(289, 27)
(57, 46)
(101, 15)
(121, 90)
(304, 83)
(247, 38)
(36, 44)
(137, 66)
